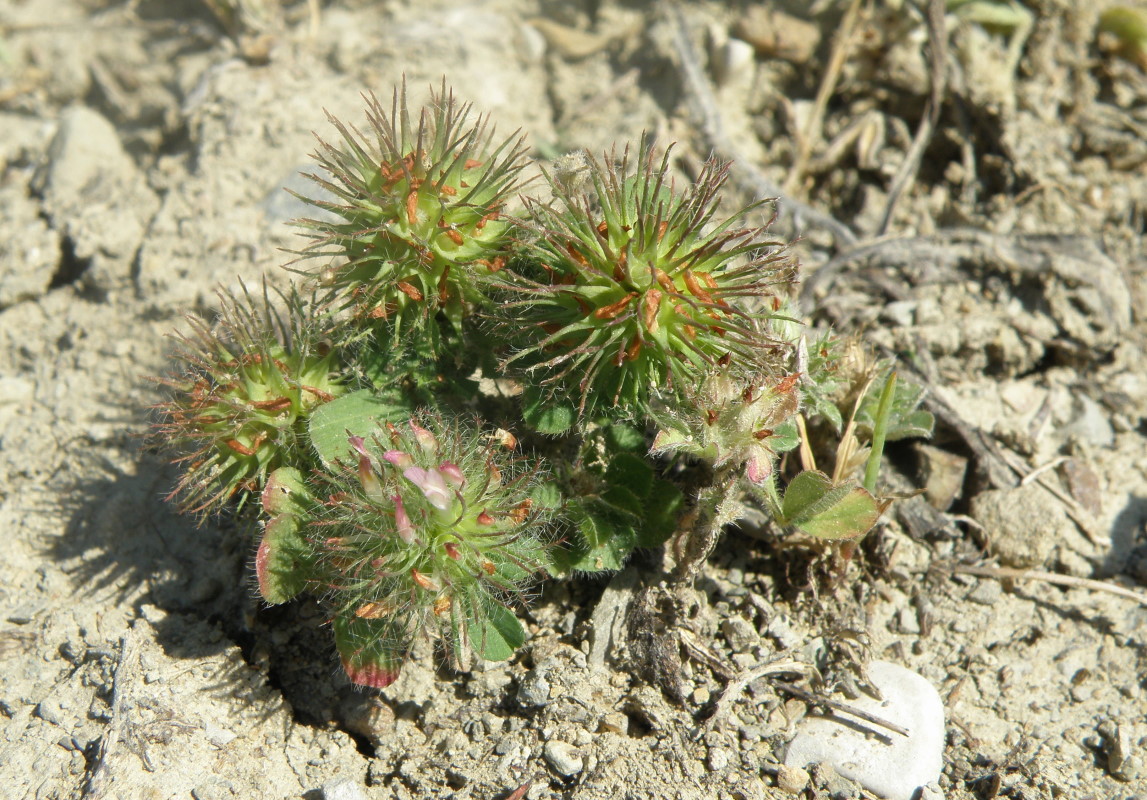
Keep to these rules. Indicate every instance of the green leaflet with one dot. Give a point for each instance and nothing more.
(281, 560)
(812, 504)
(358, 413)
(546, 414)
(497, 635)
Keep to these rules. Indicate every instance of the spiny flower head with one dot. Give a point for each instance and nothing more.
(732, 421)
(238, 408)
(428, 527)
(632, 287)
(418, 210)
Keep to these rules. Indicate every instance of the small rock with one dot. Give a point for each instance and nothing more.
(1023, 525)
(740, 634)
(218, 736)
(1117, 746)
(887, 764)
(718, 759)
(791, 780)
(214, 789)
(942, 474)
(343, 789)
(1089, 423)
(614, 722)
(96, 197)
(781, 628)
(565, 759)
(931, 792)
(534, 691)
(775, 34)
(52, 711)
(907, 622)
(986, 593)
(836, 785)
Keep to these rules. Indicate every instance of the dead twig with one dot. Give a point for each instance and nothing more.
(845, 708)
(938, 63)
(736, 686)
(810, 137)
(1009, 573)
(707, 118)
(126, 670)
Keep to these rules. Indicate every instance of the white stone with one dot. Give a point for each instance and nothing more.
(886, 763)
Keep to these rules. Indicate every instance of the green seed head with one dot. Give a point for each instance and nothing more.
(418, 211)
(237, 411)
(632, 288)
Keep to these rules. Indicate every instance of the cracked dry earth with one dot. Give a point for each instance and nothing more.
(144, 148)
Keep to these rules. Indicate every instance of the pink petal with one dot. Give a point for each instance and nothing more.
(398, 458)
(368, 479)
(358, 443)
(433, 486)
(402, 521)
(452, 474)
(425, 438)
(759, 469)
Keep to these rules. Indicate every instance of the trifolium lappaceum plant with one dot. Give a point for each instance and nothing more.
(475, 389)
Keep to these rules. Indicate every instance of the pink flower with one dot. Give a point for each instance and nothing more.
(425, 438)
(452, 474)
(358, 443)
(398, 458)
(370, 482)
(402, 521)
(433, 486)
(758, 469)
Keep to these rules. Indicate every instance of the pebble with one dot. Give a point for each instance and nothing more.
(907, 622)
(740, 634)
(343, 789)
(614, 722)
(565, 759)
(931, 792)
(986, 593)
(782, 630)
(1117, 746)
(791, 780)
(775, 34)
(889, 765)
(214, 789)
(534, 690)
(1023, 525)
(718, 759)
(837, 786)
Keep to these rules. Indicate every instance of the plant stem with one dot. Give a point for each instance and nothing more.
(711, 515)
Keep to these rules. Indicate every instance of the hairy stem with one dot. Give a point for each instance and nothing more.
(712, 512)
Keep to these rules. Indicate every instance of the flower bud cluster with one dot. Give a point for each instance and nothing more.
(238, 408)
(634, 290)
(418, 215)
(732, 422)
(428, 526)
